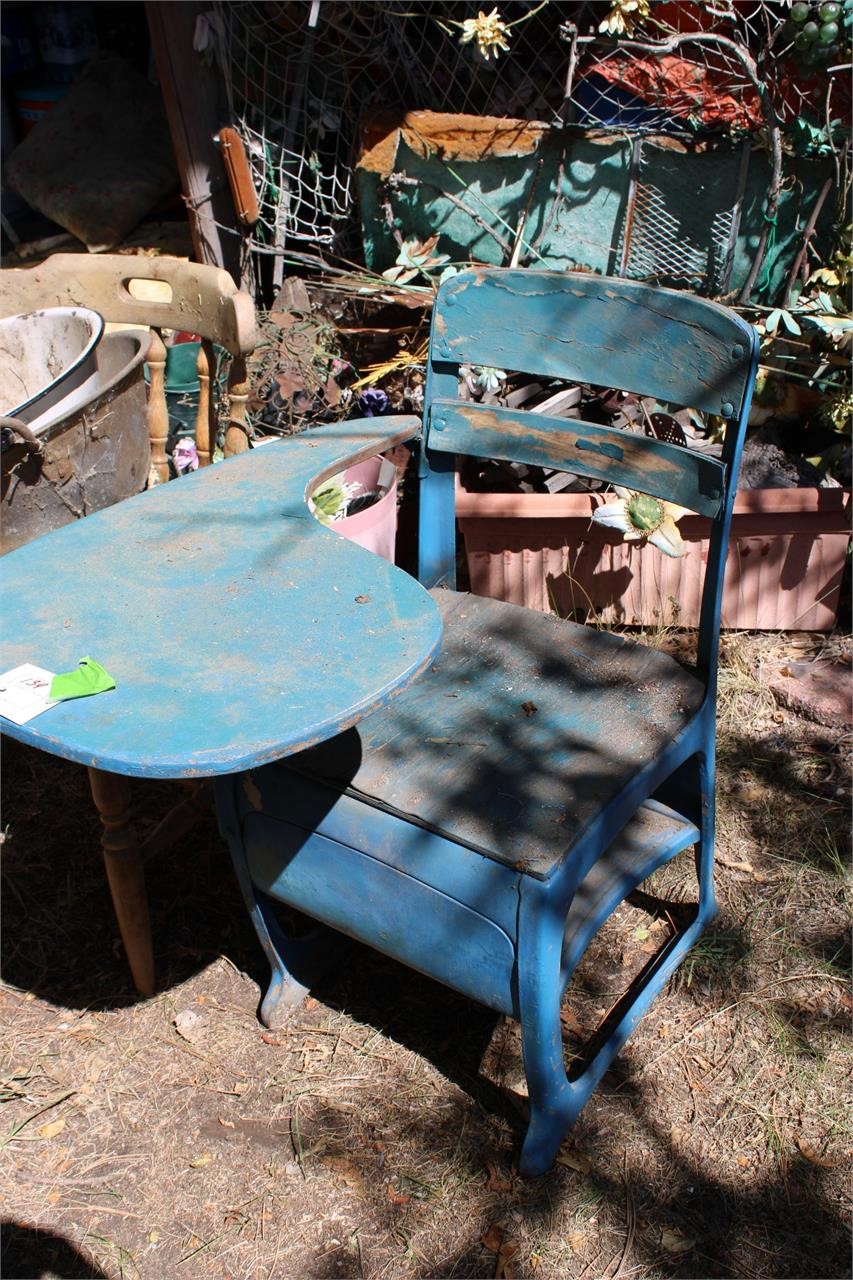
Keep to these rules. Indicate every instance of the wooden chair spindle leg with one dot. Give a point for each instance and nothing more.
(158, 413)
(237, 431)
(205, 426)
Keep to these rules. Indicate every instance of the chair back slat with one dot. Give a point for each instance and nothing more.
(585, 328)
(581, 328)
(636, 462)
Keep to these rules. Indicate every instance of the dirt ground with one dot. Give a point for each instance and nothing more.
(375, 1136)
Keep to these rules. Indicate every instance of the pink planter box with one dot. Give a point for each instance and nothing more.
(784, 569)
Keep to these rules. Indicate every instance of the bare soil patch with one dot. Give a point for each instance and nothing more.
(375, 1135)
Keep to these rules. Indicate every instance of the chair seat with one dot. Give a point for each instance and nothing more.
(518, 735)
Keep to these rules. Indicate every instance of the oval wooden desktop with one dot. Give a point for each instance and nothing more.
(237, 628)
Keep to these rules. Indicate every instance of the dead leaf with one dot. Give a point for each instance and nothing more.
(226, 1124)
(189, 1025)
(507, 1251)
(569, 1023)
(53, 1197)
(495, 1181)
(269, 1037)
(529, 708)
(576, 1240)
(745, 865)
(397, 1197)
(52, 1128)
(493, 1238)
(201, 1162)
(573, 1159)
(349, 1173)
(675, 1241)
(810, 1153)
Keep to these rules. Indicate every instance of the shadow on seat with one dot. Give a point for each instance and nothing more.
(484, 826)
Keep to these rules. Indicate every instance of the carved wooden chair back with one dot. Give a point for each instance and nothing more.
(484, 826)
(192, 297)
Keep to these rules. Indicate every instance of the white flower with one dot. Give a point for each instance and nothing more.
(415, 259)
(185, 456)
(490, 32)
(624, 15)
(639, 516)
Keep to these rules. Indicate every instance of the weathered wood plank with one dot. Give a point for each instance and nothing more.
(615, 333)
(620, 457)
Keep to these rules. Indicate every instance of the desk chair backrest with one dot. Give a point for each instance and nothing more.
(681, 349)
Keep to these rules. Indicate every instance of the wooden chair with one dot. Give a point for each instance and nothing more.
(198, 299)
(190, 296)
(484, 826)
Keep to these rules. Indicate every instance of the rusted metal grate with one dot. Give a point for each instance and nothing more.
(654, 246)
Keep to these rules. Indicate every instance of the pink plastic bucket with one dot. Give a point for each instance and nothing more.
(375, 528)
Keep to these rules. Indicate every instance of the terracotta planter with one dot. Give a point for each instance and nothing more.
(786, 559)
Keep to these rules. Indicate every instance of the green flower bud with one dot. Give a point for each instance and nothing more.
(644, 512)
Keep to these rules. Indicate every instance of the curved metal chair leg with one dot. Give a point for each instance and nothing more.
(553, 1105)
(556, 1100)
(296, 963)
(705, 848)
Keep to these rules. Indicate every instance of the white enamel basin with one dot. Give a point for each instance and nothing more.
(44, 356)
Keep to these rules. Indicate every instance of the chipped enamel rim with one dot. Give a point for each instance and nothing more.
(80, 366)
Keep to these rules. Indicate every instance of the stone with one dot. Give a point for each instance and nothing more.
(820, 691)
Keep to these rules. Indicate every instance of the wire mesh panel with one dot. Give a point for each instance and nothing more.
(302, 76)
(666, 239)
(694, 67)
(294, 75)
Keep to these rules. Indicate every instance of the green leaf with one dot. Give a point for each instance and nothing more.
(771, 324)
(790, 323)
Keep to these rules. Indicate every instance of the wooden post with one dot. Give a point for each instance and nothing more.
(111, 793)
(192, 90)
(158, 412)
